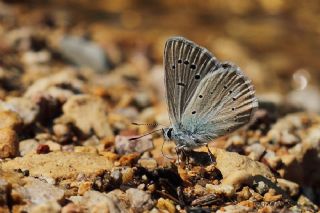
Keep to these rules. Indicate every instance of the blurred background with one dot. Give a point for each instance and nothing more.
(275, 42)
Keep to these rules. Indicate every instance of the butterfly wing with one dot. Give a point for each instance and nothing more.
(186, 64)
(223, 101)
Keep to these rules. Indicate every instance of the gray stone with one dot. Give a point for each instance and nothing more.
(84, 53)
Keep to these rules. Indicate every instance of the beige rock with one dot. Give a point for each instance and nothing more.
(28, 146)
(255, 151)
(221, 189)
(8, 143)
(124, 145)
(166, 205)
(53, 146)
(304, 201)
(272, 159)
(238, 178)
(230, 163)
(289, 186)
(86, 149)
(64, 167)
(88, 113)
(39, 192)
(25, 108)
(148, 163)
(47, 207)
(234, 209)
(71, 208)
(96, 202)
(51, 86)
(140, 200)
(10, 119)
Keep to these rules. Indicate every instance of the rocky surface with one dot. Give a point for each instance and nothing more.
(70, 92)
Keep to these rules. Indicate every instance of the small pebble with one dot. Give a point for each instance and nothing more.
(28, 146)
(166, 205)
(271, 196)
(148, 163)
(124, 145)
(139, 200)
(43, 149)
(226, 190)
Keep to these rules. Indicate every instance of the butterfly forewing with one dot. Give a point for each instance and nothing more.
(223, 101)
(186, 64)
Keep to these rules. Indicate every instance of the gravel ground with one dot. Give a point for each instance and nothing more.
(67, 104)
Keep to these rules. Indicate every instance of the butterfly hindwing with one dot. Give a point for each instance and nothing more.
(186, 64)
(223, 101)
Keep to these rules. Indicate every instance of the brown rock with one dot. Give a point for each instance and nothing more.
(88, 113)
(4, 199)
(43, 149)
(8, 143)
(10, 119)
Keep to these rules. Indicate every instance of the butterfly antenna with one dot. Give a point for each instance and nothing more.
(149, 133)
(170, 158)
(152, 124)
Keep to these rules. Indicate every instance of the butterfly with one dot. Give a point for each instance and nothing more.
(206, 98)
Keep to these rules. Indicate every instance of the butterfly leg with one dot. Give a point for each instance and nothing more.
(177, 152)
(180, 149)
(209, 153)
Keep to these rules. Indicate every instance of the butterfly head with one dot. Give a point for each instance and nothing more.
(167, 133)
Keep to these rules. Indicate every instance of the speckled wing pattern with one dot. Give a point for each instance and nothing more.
(185, 65)
(223, 102)
(205, 97)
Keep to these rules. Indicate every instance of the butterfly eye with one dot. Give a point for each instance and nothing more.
(225, 65)
(179, 61)
(186, 62)
(233, 108)
(200, 96)
(197, 77)
(193, 66)
(173, 67)
(193, 112)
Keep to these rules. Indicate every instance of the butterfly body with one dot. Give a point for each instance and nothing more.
(184, 137)
(206, 98)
